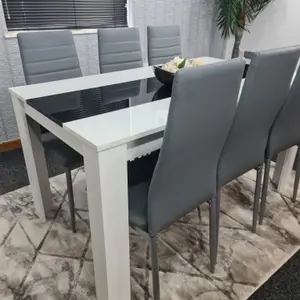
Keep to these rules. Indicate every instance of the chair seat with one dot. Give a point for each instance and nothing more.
(138, 196)
(140, 173)
(61, 152)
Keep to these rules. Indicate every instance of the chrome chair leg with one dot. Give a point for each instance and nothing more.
(297, 179)
(155, 268)
(71, 199)
(264, 191)
(214, 215)
(256, 198)
(218, 207)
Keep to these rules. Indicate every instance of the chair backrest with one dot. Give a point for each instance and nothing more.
(163, 44)
(265, 89)
(201, 111)
(119, 49)
(48, 56)
(285, 131)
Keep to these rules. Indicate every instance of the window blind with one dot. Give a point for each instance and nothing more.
(63, 14)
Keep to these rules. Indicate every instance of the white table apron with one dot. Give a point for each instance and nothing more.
(139, 132)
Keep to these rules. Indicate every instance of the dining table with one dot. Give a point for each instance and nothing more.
(109, 119)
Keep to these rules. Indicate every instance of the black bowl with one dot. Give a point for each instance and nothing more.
(163, 76)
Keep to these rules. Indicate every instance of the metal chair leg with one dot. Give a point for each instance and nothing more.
(218, 202)
(297, 178)
(214, 215)
(264, 191)
(155, 268)
(71, 199)
(256, 198)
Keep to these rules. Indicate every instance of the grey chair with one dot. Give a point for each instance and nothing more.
(164, 44)
(284, 134)
(50, 56)
(265, 89)
(186, 170)
(119, 49)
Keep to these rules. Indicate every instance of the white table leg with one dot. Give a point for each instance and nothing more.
(284, 167)
(34, 155)
(106, 175)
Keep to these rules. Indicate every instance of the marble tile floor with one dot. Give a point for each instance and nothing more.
(47, 261)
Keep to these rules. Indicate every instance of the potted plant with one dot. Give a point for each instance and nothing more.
(234, 16)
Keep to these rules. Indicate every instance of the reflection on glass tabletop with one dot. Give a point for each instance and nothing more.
(86, 103)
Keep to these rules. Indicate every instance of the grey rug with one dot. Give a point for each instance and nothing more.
(47, 261)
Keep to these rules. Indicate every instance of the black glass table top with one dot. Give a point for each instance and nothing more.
(86, 103)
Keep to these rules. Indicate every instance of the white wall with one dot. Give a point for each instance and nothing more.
(277, 26)
(196, 18)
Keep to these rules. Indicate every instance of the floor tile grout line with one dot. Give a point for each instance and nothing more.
(73, 287)
(205, 276)
(21, 285)
(27, 236)
(81, 263)
(207, 225)
(50, 226)
(200, 272)
(37, 249)
(82, 219)
(147, 295)
(8, 233)
(245, 227)
(59, 256)
(89, 239)
(145, 267)
(221, 226)
(63, 195)
(288, 206)
(204, 292)
(291, 210)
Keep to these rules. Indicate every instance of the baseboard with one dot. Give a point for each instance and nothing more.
(10, 145)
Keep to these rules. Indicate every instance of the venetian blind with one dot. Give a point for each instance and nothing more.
(62, 14)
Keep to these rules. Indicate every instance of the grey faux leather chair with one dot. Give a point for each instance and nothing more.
(186, 170)
(119, 49)
(284, 134)
(164, 44)
(50, 56)
(264, 92)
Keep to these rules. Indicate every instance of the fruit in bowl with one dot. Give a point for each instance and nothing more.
(165, 73)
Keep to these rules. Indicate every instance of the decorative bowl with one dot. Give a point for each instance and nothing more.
(163, 76)
(165, 73)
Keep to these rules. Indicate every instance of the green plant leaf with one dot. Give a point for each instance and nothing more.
(228, 16)
(254, 7)
(182, 64)
(233, 14)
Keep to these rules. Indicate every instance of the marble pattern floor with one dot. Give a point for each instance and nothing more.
(47, 261)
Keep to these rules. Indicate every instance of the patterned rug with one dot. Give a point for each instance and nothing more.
(47, 261)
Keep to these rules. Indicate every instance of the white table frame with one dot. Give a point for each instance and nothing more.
(105, 163)
(105, 168)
